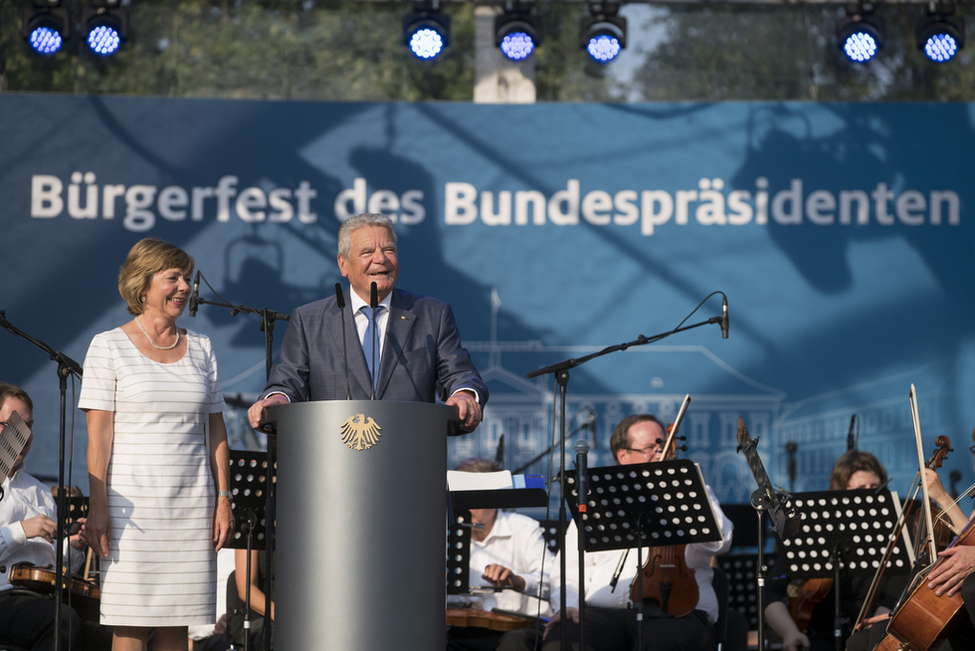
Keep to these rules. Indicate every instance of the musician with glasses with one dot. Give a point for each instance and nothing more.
(28, 529)
(611, 620)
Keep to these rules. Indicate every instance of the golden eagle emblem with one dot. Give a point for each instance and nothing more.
(360, 432)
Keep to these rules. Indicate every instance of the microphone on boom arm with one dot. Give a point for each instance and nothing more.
(195, 296)
(374, 303)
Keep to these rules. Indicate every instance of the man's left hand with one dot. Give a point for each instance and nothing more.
(468, 410)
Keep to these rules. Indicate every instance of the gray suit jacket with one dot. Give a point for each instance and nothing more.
(422, 356)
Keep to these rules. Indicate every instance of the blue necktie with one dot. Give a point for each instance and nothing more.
(367, 340)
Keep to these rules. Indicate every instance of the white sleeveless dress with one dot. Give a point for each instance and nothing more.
(161, 567)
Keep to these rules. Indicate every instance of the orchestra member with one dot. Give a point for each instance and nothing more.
(856, 469)
(28, 530)
(508, 551)
(611, 621)
(158, 461)
(419, 354)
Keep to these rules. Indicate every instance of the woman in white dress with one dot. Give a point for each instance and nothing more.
(158, 460)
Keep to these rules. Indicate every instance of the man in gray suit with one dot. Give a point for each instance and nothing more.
(412, 340)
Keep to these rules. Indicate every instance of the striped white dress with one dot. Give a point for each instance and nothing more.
(161, 567)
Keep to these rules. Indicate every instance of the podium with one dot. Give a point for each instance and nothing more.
(361, 504)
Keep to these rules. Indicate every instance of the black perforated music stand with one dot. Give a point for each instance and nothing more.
(648, 504)
(459, 553)
(669, 497)
(845, 532)
(248, 496)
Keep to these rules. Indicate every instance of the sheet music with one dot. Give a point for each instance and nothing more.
(458, 480)
(13, 438)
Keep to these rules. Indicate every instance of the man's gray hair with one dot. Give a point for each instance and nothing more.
(360, 221)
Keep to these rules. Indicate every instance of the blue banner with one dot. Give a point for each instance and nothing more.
(841, 234)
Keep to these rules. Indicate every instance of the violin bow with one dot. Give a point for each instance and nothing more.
(928, 522)
(676, 426)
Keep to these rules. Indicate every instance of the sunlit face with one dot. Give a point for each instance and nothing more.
(372, 259)
(167, 295)
(642, 444)
(864, 479)
(11, 405)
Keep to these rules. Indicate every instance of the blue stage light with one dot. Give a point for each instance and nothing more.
(860, 34)
(105, 26)
(603, 34)
(45, 28)
(940, 35)
(45, 40)
(104, 40)
(426, 31)
(517, 33)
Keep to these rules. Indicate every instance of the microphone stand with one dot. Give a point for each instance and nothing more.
(561, 372)
(268, 317)
(66, 367)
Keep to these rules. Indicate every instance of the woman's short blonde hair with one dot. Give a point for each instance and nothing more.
(148, 257)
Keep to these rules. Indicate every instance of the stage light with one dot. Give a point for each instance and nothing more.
(940, 34)
(517, 33)
(603, 33)
(426, 31)
(105, 26)
(860, 34)
(45, 26)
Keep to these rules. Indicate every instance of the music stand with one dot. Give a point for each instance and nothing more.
(459, 553)
(845, 532)
(13, 438)
(248, 496)
(652, 504)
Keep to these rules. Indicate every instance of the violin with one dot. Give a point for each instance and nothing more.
(84, 595)
(804, 596)
(486, 619)
(666, 577)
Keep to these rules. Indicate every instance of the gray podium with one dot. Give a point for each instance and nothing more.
(361, 506)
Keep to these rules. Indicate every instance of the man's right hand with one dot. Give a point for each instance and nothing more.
(40, 526)
(256, 414)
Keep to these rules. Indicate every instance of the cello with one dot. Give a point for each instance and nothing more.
(666, 577)
(924, 617)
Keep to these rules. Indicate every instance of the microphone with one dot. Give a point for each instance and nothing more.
(582, 451)
(374, 303)
(340, 301)
(195, 296)
(850, 443)
(724, 316)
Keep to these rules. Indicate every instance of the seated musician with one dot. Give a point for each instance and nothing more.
(855, 469)
(507, 551)
(28, 529)
(611, 621)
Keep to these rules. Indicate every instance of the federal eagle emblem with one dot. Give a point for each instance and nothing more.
(360, 432)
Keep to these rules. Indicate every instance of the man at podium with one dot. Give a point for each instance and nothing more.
(411, 341)
(611, 623)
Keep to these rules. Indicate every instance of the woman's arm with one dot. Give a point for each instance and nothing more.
(101, 433)
(223, 523)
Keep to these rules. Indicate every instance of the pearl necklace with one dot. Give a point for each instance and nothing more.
(152, 343)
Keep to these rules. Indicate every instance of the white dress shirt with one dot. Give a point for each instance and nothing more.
(23, 498)
(516, 542)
